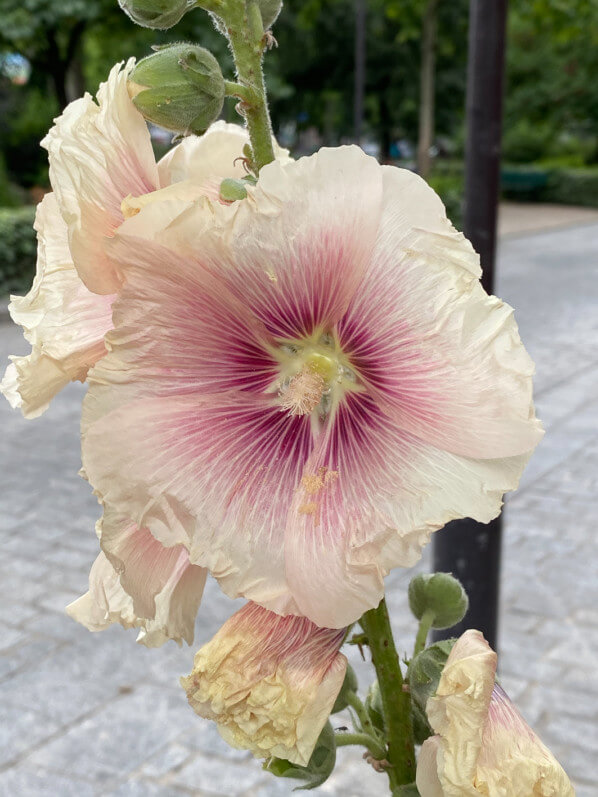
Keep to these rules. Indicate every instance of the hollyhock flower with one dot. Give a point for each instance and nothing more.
(304, 385)
(139, 583)
(483, 745)
(102, 168)
(270, 682)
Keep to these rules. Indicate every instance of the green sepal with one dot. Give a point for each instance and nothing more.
(424, 673)
(350, 684)
(320, 765)
(373, 705)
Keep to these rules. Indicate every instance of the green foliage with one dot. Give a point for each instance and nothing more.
(9, 194)
(17, 249)
(449, 187)
(572, 187)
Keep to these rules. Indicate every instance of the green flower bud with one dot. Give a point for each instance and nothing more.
(349, 685)
(320, 765)
(157, 14)
(180, 88)
(270, 9)
(424, 673)
(373, 705)
(441, 594)
(231, 189)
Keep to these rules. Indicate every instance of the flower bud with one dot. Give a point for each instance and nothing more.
(319, 767)
(270, 9)
(349, 685)
(180, 88)
(441, 594)
(157, 14)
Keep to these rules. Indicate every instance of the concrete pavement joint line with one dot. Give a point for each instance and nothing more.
(543, 392)
(60, 731)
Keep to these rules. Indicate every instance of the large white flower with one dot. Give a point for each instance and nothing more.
(303, 386)
(483, 745)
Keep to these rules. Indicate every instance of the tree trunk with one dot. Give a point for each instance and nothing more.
(426, 100)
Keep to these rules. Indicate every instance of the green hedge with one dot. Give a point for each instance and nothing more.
(572, 187)
(450, 189)
(17, 249)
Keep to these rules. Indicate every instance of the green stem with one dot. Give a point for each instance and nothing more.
(396, 703)
(245, 32)
(425, 624)
(364, 740)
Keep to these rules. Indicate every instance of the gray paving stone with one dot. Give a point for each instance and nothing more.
(22, 781)
(111, 743)
(211, 775)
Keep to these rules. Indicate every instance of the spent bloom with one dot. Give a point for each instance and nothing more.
(269, 682)
(139, 583)
(483, 745)
(102, 167)
(302, 386)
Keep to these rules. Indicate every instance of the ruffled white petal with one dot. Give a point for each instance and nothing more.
(64, 322)
(139, 583)
(99, 154)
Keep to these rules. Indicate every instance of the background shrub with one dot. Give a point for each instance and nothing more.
(17, 249)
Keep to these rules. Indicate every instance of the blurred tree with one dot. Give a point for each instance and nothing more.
(50, 34)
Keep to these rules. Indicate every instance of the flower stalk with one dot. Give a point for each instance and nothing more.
(363, 740)
(245, 30)
(396, 703)
(423, 630)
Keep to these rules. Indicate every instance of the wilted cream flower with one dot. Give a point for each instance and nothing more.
(483, 745)
(269, 682)
(137, 582)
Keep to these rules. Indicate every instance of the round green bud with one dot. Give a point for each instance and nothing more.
(349, 685)
(157, 14)
(270, 9)
(442, 595)
(180, 88)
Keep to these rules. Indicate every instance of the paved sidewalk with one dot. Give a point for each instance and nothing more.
(94, 714)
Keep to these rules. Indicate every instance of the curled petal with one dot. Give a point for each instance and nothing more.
(442, 357)
(269, 682)
(99, 154)
(207, 159)
(141, 584)
(483, 744)
(64, 322)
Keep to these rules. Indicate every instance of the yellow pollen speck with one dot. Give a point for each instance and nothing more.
(308, 509)
(127, 208)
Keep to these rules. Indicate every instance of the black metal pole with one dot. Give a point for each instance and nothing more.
(471, 550)
(359, 87)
